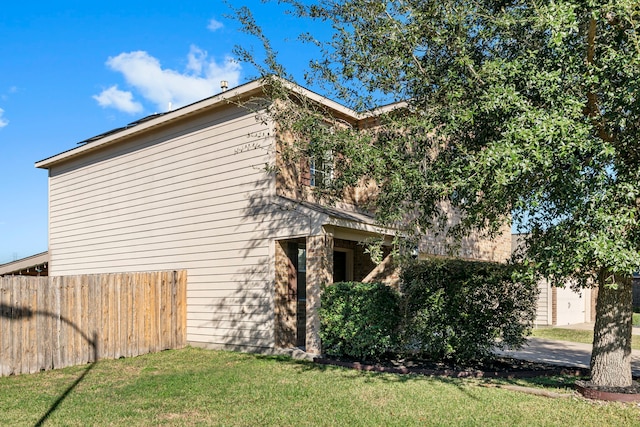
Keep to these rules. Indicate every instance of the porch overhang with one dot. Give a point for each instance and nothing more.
(327, 232)
(343, 222)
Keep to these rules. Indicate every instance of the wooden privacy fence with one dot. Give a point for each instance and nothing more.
(58, 321)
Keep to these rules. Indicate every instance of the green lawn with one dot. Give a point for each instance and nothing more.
(575, 335)
(199, 387)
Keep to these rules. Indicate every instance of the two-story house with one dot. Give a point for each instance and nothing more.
(192, 189)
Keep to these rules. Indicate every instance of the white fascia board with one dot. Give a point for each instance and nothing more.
(333, 105)
(339, 108)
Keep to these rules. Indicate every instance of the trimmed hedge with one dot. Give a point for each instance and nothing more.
(460, 310)
(359, 320)
(448, 309)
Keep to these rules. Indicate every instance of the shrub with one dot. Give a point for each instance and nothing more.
(359, 320)
(460, 310)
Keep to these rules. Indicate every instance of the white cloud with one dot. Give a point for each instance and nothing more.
(3, 121)
(196, 59)
(201, 79)
(214, 25)
(118, 99)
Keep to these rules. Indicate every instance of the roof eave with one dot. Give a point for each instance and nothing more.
(243, 92)
(233, 95)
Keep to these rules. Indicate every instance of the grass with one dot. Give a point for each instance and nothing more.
(198, 387)
(563, 334)
(574, 335)
(636, 319)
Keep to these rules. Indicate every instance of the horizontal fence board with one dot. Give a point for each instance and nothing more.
(57, 321)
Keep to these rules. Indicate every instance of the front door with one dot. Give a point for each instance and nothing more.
(342, 265)
(339, 266)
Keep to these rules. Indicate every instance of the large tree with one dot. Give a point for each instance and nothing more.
(527, 110)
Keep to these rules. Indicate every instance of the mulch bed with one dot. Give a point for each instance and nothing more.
(500, 367)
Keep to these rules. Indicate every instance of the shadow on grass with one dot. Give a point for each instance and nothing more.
(545, 380)
(305, 366)
(64, 395)
(22, 313)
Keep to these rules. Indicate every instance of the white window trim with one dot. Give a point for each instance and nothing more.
(323, 175)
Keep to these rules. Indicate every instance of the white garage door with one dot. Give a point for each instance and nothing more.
(571, 306)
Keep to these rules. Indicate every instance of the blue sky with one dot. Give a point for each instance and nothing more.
(74, 69)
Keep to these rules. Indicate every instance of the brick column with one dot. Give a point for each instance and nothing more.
(319, 273)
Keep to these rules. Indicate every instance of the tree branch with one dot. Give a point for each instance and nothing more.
(591, 110)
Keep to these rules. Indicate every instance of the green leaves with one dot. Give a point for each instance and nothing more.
(359, 320)
(461, 310)
(526, 108)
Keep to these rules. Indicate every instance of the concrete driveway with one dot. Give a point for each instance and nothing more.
(564, 353)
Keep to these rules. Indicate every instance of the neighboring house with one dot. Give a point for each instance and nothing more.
(188, 189)
(561, 306)
(35, 265)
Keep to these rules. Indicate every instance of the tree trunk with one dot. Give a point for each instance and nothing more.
(611, 354)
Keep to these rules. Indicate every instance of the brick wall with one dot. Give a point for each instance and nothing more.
(319, 272)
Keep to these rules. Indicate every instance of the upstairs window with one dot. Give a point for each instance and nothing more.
(321, 169)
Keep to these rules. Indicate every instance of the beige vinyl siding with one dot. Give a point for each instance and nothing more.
(188, 196)
(543, 309)
(155, 227)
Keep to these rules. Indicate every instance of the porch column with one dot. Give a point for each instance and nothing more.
(319, 273)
